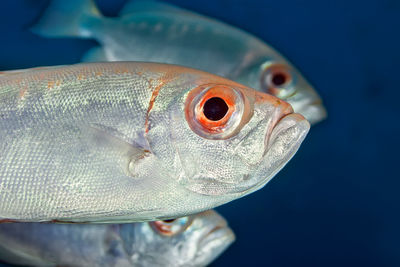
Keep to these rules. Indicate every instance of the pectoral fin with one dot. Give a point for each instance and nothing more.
(114, 142)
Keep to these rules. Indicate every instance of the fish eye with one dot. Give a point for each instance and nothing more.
(215, 108)
(215, 112)
(171, 227)
(277, 79)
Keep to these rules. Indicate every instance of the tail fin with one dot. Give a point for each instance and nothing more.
(67, 18)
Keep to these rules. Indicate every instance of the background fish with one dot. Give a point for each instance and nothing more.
(189, 241)
(127, 141)
(158, 32)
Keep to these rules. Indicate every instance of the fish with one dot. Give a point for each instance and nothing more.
(194, 240)
(158, 32)
(132, 141)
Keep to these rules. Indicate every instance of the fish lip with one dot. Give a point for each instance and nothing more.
(220, 234)
(280, 114)
(286, 121)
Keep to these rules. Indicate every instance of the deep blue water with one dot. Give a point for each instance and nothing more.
(337, 203)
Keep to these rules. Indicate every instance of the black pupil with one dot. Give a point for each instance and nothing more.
(169, 221)
(279, 79)
(215, 108)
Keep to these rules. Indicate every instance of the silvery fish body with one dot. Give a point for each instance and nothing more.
(156, 32)
(190, 241)
(126, 141)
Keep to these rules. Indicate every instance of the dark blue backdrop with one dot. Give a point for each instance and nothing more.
(337, 202)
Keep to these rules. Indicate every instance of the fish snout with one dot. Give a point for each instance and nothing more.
(280, 118)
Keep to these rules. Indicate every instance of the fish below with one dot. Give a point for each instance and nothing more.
(189, 241)
(128, 142)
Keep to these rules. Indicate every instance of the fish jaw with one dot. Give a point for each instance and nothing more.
(284, 141)
(282, 138)
(213, 237)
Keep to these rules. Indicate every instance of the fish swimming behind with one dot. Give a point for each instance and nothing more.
(153, 31)
(189, 241)
(127, 142)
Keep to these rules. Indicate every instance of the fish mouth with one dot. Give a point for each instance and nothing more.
(281, 144)
(214, 243)
(281, 112)
(293, 126)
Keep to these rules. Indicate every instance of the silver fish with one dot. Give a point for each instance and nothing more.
(157, 32)
(189, 241)
(127, 142)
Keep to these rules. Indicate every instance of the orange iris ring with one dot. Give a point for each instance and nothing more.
(219, 125)
(222, 128)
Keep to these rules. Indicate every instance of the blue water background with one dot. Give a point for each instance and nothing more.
(337, 203)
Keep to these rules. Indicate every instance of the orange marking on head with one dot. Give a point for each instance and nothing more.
(80, 77)
(156, 91)
(98, 73)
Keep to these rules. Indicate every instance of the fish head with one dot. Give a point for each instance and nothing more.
(278, 77)
(228, 140)
(194, 240)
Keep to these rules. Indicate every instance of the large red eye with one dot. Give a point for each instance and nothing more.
(214, 112)
(171, 227)
(277, 79)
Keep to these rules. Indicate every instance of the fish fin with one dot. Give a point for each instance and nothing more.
(102, 136)
(133, 6)
(67, 19)
(95, 54)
